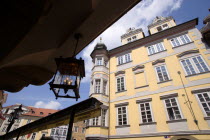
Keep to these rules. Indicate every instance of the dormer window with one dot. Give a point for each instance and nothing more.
(162, 27)
(129, 39)
(33, 112)
(134, 38)
(41, 113)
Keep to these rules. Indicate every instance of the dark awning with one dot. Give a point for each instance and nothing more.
(84, 110)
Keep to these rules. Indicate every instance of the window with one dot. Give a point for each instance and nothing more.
(146, 114)
(18, 120)
(33, 112)
(28, 121)
(95, 121)
(172, 109)
(99, 61)
(204, 99)
(64, 132)
(83, 130)
(129, 39)
(33, 136)
(120, 84)
(124, 59)
(194, 65)
(41, 113)
(159, 28)
(43, 135)
(4, 129)
(162, 27)
(122, 115)
(76, 128)
(159, 47)
(134, 37)
(97, 86)
(53, 131)
(103, 117)
(180, 40)
(104, 87)
(162, 73)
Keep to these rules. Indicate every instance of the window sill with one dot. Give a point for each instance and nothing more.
(182, 45)
(141, 86)
(197, 74)
(96, 126)
(157, 52)
(149, 123)
(99, 94)
(164, 81)
(120, 91)
(120, 126)
(124, 63)
(173, 121)
(207, 118)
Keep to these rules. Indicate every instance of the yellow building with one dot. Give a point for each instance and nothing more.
(153, 87)
(31, 114)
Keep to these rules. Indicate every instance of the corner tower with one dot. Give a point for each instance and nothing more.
(99, 89)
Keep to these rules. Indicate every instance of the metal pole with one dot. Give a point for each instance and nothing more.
(71, 121)
(10, 125)
(18, 135)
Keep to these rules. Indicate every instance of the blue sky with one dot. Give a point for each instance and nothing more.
(139, 17)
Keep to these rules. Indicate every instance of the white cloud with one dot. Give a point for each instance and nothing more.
(48, 105)
(140, 17)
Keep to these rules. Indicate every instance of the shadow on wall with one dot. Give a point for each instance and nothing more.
(183, 138)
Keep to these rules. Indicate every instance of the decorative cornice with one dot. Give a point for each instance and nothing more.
(119, 72)
(138, 67)
(187, 52)
(200, 90)
(143, 100)
(160, 22)
(121, 104)
(131, 33)
(158, 61)
(168, 96)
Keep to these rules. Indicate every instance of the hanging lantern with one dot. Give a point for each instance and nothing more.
(66, 81)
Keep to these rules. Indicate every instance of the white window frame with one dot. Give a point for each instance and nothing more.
(177, 106)
(97, 86)
(163, 28)
(120, 83)
(141, 120)
(178, 38)
(126, 107)
(126, 58)
(76, 129)
(193, 64)
(199, 102)
(33, 134)
(155, 48)
(103, 117)
(99, 61)
(161, 72)
(95, 121)
(105, 87)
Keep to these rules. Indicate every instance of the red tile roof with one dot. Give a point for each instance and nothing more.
(39, 112)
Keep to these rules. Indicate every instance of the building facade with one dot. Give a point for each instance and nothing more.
(153, 87)
(31, 114)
